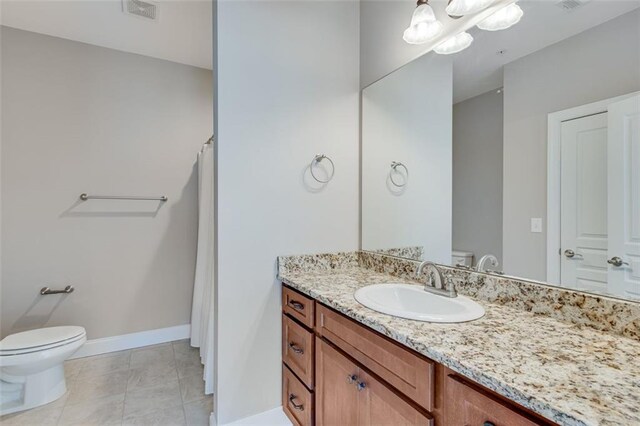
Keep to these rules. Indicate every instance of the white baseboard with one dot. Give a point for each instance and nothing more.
(274, 417)
(133, 340)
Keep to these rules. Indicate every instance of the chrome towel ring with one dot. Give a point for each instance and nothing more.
(394, 169)
(317, 159)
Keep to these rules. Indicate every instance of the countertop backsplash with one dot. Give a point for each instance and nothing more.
(602, 313)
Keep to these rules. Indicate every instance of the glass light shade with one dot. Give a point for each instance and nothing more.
(465, 7)
(424, 26)
(454, 44)
(502, 19)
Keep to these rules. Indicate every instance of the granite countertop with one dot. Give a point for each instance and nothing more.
(569, 374)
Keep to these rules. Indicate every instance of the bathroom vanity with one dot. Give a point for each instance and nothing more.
(337, 371)
(344, 364)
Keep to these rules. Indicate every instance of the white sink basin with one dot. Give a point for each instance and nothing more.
(412, 302)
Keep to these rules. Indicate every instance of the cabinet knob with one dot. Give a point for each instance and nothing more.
(351, 378)
(299, 407)
(360, 386)
(295, 348)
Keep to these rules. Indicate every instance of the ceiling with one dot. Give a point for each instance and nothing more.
(182, 33)
(478, 69)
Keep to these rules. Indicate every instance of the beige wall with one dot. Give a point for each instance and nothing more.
(600, 63)
(287, 90)
(80, 118)
(477, 175)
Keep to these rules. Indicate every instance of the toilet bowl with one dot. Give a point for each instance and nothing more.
(32, 366)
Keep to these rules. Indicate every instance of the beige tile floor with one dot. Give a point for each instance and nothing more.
(155, 385)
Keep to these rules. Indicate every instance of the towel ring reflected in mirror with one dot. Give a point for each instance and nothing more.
(316, 160)
(394, 169)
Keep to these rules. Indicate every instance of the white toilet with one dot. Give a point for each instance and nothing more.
(462, 258)
(32, 366)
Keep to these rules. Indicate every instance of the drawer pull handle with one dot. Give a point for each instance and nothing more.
(361, 386)
(296, 305)
(351, 378)
(295, 348)
(299, 407)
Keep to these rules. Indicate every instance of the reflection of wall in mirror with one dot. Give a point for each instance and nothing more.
(477, 175)
(600, 63)
(407, 117)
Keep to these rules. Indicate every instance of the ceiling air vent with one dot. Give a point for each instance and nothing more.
(571, 5)
(144, 9)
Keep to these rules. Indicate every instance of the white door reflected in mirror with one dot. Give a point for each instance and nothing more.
(584, 203)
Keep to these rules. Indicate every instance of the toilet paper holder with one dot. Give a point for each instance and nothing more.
(46, 290)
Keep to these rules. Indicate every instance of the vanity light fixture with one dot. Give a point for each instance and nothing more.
(466, 7)
(424, 25)
(504, 18)
(454, 44)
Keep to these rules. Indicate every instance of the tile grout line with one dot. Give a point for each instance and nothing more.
(68, 393)
(126, 388)
(175, 361)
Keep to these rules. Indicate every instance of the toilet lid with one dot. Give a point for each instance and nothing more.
(39, 338)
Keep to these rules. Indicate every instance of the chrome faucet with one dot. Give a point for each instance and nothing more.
(480, 267)
(439, 287)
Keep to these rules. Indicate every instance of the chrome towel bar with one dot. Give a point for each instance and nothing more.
(85, 197)
(46, 290)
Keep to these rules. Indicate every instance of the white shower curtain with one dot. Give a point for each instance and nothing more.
(202, 309)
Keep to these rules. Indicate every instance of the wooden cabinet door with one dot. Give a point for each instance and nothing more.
(336, 394)
(380, 406)
(467, 405)
(347, 396)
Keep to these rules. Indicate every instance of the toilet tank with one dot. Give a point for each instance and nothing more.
(461, 258)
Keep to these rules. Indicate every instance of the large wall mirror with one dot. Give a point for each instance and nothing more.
(519, 155)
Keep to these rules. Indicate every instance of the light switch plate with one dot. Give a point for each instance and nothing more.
(536, 224)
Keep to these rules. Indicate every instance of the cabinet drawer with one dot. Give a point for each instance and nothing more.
(297, 401)
(298, 350)
(467, 404)
(298, 306)
(411, 374)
